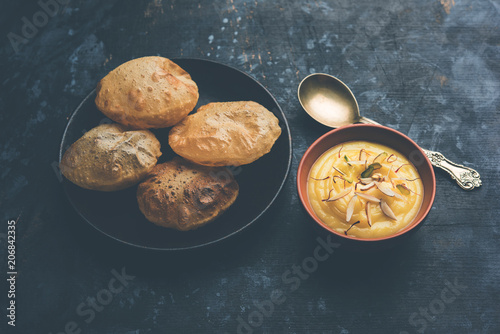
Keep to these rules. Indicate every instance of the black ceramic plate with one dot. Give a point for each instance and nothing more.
(117, 215)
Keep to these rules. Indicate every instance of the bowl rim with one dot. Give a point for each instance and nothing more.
(304, 200)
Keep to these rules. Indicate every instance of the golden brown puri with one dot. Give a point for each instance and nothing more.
(225, 134)
(184, 196)
(148, 92)
(109, 157)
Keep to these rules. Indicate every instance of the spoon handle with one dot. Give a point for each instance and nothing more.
(466, 177)
(365, 120)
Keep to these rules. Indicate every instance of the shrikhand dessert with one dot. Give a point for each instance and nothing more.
(365, 190)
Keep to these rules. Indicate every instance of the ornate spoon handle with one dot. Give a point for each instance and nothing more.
(466, 177)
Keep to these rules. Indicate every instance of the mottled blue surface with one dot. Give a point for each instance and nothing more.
(430, 69)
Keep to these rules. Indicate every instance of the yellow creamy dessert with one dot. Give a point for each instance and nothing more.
(365, 190)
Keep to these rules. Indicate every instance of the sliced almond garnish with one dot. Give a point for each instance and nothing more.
(405, 179)
(356, 162)
(384, 189)
(387, 210)
(365, 180)
(367, 186)
(368, 214)
(369, 198)
(350, 208)
(392, 182)
(341, 194)
(389, 173)
(362, 154)
(338, 170)
(399, 196)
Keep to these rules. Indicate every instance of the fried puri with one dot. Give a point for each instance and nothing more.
(184, 196)
(110, 157)
(148, 92)
(226, 134)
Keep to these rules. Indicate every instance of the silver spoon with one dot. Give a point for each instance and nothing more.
(330, 102)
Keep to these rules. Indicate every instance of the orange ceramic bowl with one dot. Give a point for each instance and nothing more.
(382, 135)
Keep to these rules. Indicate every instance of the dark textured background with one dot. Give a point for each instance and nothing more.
(429, 68)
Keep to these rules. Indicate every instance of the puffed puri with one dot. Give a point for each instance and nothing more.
(110, 157)
(226, 134)
(148, 92)
(184, 196)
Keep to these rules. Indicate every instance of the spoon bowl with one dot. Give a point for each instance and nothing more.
(328, 100)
